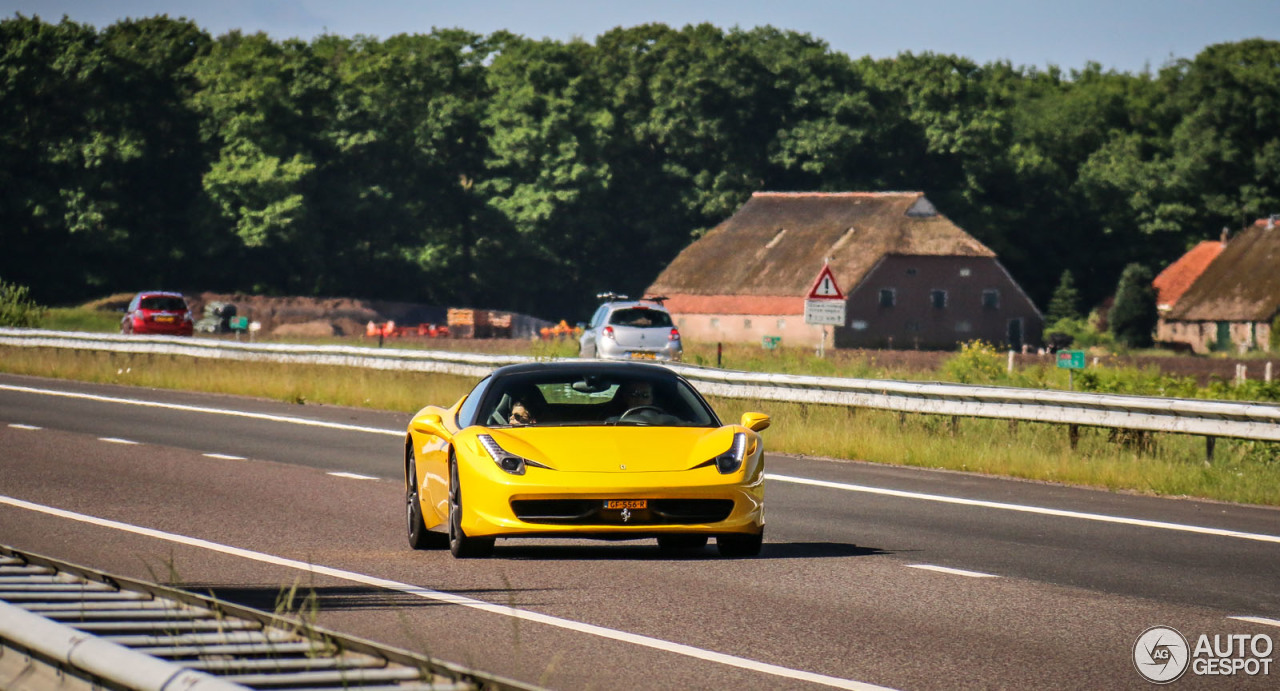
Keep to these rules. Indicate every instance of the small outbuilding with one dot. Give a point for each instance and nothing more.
(911, 278)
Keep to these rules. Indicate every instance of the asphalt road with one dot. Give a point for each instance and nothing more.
(870, 574)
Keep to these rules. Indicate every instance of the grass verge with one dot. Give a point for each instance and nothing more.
(1173, 465)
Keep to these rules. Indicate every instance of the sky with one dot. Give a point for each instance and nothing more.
(1124, 35)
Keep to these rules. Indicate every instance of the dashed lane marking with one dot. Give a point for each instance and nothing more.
(953, 572)
(353, 476)
(1101, 518)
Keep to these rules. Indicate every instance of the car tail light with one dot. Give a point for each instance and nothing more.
(674, 335)
(608, 333)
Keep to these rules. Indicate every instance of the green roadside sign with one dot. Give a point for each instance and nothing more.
(770, 342)
(239, 323)
(1070, 359)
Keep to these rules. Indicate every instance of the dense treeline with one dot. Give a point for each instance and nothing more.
(505, 172)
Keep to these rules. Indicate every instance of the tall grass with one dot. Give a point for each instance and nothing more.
(1246, 472)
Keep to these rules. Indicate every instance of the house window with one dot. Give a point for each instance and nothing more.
(963, 327)
(746, 323)
(887, 297)
(911, 271)
(782, 324)
(964, 271)
(913, 325)
(681, 322)
(715, 323)
(991, 299)
(858, 325)
(938, 298)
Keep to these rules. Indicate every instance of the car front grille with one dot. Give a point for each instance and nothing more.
(592, 512)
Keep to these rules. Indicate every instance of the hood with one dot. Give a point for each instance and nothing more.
(607, 449)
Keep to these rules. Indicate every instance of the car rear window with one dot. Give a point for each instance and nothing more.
(640, 316)
(163, 302)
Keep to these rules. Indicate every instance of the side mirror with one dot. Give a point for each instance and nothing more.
(430, 423)
(755, 421)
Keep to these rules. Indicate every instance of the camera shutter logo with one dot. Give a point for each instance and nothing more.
(1161, 654)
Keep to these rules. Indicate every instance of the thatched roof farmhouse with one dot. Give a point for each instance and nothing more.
(911, 277)
(1233, 302)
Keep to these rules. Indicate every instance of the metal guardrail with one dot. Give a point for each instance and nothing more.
(65, 626)
(1255, 421)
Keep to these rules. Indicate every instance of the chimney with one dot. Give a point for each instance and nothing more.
(1225, 232)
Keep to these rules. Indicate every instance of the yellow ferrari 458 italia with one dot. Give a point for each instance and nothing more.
(608, 450)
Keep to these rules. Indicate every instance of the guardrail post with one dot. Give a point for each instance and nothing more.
(1209, 443)
(1073, 436)
(955, 425)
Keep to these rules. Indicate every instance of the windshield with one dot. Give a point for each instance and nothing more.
(164, 303)
(640, 316)
(576, 398)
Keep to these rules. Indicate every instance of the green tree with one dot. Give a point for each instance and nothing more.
(1132, 319)
(1065, 303)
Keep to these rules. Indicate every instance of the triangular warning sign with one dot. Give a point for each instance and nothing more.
(825, 286)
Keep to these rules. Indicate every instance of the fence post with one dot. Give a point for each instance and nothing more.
(1009, 367)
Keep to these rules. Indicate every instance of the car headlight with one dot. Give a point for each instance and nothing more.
(731, 460)
(505, 459)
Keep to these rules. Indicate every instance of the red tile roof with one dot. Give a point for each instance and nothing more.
(1178, 276)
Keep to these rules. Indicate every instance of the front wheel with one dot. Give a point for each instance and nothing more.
(419, 536)
(460, 545)
(740, 545)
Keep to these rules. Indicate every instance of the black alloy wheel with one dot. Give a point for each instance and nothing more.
(461, 546)
(419, 536)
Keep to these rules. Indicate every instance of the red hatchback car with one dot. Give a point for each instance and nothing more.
(158, 312)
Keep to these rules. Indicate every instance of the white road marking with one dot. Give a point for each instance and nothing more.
(353, 476)
(1102, 518)
(771, 476)
(225, 457)
(1258, 620)
(116, 440)
(18, 425)
(953, 572)
(198, 409)
(453, 599)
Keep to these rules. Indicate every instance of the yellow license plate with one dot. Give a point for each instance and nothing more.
(164, 318)
(626, 504)
(643, 356)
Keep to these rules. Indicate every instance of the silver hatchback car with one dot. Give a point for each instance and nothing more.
(623, 329)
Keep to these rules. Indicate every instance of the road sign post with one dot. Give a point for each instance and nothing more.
(825, 304)
(1071, 360)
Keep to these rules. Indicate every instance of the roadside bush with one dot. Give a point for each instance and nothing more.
(978, 362)
(16, 306)
(1083, 332)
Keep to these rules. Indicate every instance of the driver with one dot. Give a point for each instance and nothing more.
(634, 394)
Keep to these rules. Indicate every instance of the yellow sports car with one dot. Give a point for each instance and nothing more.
(609, 450)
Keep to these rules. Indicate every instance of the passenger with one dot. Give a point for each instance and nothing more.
(521, 415)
